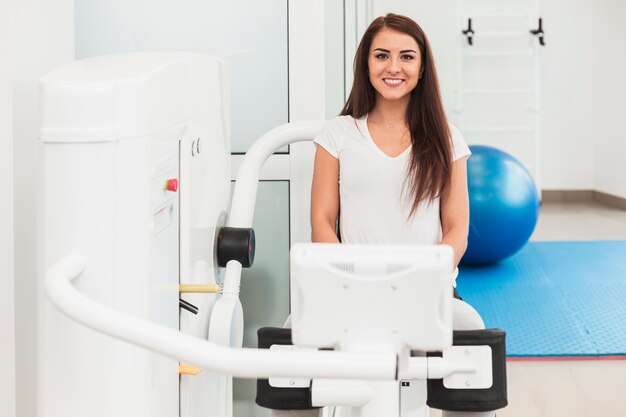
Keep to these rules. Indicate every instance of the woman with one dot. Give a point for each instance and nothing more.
(391, 164)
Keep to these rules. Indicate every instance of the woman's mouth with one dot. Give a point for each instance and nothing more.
(393, 82)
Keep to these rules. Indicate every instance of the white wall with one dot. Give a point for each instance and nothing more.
(43, 40)
(609, 61)
(568, 105)
(334, 58)
(7, 316)
(250, 36)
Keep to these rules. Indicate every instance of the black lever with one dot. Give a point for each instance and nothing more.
(469, 32)
(539, 32)
(188, 306)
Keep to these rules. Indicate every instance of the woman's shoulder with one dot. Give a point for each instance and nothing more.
(341, 121)
(455, 134)
(454, 131)
(459, 146)
(342, 125)
(339, 133)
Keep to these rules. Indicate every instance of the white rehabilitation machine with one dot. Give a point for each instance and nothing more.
(120, 238)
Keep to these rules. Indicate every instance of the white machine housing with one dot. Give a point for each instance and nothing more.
(114, 128)
(387, 282)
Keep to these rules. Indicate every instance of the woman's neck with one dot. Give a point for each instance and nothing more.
(389, 113)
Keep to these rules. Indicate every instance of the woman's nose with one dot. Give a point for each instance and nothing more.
(394, 65)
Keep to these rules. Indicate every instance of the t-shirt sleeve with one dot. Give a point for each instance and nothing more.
(329, 137)
(459, 147)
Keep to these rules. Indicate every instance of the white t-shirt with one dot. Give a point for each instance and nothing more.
(374, 209)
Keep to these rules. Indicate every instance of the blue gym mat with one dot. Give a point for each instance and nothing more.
(554, 299)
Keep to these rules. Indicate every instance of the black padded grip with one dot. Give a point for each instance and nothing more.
(279, 398)
(235, 243)
(487, 399)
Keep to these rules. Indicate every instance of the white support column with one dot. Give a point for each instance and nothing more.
(7, 302)
(358, 15)
(307, 101)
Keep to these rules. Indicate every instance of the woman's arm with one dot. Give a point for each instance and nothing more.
(324, 197)
(455, 210)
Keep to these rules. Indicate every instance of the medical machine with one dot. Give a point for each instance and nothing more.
(136, 174)
(141, 259)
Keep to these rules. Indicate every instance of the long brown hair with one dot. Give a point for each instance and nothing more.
(428, 171)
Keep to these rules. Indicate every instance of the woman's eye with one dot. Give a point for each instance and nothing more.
(381, 56)
(407, 57)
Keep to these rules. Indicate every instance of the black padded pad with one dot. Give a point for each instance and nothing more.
(279, 398)
(487, 399)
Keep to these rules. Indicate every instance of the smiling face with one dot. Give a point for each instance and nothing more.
(394, 65)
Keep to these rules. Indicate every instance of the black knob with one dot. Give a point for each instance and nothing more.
(469, 32)
(235, 243)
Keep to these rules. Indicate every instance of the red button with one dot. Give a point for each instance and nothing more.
(171, 185)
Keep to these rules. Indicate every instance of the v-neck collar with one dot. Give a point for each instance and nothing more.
(366, 131)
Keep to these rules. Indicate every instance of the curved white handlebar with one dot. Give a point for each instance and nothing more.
(239, 362)
(244, 195)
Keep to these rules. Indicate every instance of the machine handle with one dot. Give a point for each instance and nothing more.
(244, 195)
(239, 362)
(247, 184)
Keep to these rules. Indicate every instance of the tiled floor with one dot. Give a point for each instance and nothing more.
(580, 221)
(593, 388)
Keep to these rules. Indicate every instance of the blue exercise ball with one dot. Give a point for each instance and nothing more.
(504, 205)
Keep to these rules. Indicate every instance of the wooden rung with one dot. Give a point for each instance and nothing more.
(184, 369)
(199, 288)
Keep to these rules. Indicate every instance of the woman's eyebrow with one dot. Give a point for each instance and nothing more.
(388, 51)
